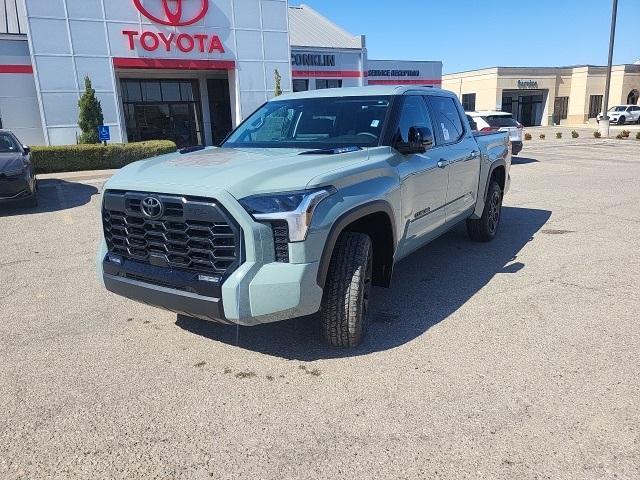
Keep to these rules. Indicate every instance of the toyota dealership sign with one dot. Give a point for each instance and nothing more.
(174, 13)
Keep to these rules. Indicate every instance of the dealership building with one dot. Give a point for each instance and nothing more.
(186, 70)
(545, 96)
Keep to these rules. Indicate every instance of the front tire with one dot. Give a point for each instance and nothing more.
(622, 120)
(486, 227)
(345, 303)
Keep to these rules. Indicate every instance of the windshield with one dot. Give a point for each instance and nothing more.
(314, 123)
(8, 144)
(618, 109)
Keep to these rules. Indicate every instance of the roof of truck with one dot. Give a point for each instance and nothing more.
(371, 91)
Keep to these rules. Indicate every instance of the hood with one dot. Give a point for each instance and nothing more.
(241, 172)
(11, 162)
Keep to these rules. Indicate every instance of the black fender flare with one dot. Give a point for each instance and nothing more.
(343, 221)
(498, 163)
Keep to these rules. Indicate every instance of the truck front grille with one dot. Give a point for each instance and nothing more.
(191, 233)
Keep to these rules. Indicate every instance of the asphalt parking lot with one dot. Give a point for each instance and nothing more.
(512, 360)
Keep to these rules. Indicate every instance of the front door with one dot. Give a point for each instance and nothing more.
(458, 151)
(424, 184)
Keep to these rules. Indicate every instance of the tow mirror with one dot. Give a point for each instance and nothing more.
(420, 140)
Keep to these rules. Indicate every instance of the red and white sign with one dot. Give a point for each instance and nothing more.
(162, 12)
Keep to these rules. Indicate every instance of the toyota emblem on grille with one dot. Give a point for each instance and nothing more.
(152, 208)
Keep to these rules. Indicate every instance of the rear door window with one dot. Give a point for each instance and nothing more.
(500, 121)
(446, 119)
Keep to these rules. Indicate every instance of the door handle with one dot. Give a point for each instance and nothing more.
(443, 163)
(473, 154)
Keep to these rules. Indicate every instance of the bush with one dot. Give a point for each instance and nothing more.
(558, 134)
(597, 134)
(90, 116)
(638, 136)
(574, 134)
(620, 136)
(527, 136)
(626, 133)
(71, 158)
(542, 136)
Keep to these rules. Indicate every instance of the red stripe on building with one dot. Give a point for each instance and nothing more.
(426, 81)
(16, 69)
(156, 64)
(326, 73)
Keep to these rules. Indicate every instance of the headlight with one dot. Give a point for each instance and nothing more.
(296, 208)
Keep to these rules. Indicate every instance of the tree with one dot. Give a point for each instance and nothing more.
(278, 83)
(90, 114)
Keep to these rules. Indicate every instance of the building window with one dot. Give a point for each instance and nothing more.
(560, 109)
(595, 105)
(163, 110)
(469, 102)
(300, 85)
(333, 83)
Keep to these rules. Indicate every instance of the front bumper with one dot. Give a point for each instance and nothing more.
(259, 291)
(16, 187)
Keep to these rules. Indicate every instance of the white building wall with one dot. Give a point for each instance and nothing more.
(73, 38)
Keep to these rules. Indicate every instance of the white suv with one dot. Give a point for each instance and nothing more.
(494, 121)
(622, 114)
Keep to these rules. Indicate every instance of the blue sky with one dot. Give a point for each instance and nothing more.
(473, 34)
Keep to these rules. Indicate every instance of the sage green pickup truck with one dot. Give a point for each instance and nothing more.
(308, 204)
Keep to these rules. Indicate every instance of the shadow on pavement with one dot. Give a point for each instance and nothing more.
(53, 195)
(428, 286)
(523, 160)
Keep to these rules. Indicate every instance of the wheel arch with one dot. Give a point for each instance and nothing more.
(376, 219)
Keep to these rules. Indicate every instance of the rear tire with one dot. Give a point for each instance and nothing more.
(485, 228)
(345, 303)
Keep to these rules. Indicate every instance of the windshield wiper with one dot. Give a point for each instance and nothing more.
(332, 151)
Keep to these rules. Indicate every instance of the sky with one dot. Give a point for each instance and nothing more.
(471, 34)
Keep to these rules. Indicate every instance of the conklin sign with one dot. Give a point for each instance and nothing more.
(171, 13)
(312, 60)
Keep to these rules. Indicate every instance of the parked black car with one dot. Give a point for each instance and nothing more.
(18, 183)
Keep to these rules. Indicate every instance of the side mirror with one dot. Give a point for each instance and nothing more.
(420, 140)
(26, 149)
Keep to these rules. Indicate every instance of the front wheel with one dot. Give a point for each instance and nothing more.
(345, 303)
(622, 120)
(485, 228)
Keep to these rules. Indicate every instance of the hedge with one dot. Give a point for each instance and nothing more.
(72, 158)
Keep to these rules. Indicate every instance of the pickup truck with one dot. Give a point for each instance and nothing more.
(308, 204)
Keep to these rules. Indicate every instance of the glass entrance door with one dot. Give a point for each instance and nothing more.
(163, 110)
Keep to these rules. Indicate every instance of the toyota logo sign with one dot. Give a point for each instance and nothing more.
(152, 208)
(172, 16)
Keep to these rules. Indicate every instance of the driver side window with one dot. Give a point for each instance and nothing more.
(414, 113)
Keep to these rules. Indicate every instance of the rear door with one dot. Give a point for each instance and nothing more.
(458, 153)
(424, 184)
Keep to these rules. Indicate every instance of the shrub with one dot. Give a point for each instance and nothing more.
(71, 158)
(542, 136)
(527, 136)
(575, 134)
(597, 134)
(638, 136)
(558, 134)
(620, 136)
(90, 117)
(277, 81)
(625, 133)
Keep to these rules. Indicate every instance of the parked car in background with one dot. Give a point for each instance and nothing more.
(622, 114)
(494, 121)
(18, 181)
(307, 204)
